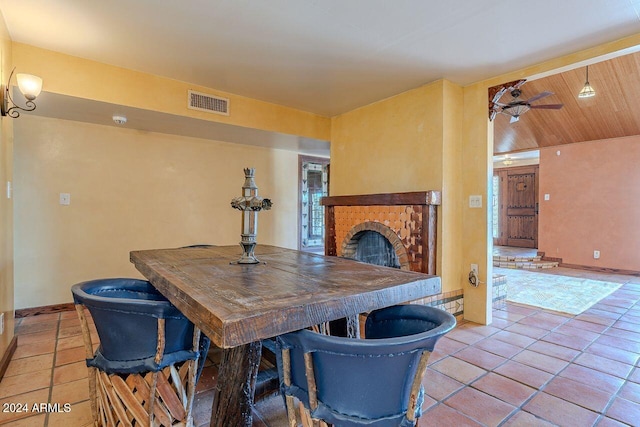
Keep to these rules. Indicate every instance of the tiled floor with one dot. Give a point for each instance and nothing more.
(531, 367)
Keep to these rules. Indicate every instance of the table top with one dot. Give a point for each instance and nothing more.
(238, 304)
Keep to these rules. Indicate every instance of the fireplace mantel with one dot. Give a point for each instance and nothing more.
(412, 216)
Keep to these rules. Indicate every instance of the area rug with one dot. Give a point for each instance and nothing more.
(571, 295)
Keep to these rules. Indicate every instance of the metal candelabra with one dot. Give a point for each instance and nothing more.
(250, 204)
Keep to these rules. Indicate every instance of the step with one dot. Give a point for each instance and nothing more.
(507, 258)
(525, 264)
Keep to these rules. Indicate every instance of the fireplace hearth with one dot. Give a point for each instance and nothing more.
(403, 227)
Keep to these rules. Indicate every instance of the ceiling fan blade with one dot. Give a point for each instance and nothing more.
(548, 106)
(514, 119)
(538, 96)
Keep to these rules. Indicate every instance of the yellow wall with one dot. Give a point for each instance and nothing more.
(73, 76)
(130, 190)
(408, 142)
(6, 205)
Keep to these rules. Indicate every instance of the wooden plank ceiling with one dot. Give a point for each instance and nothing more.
(613, 112)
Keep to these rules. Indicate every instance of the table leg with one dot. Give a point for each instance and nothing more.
(233, 396)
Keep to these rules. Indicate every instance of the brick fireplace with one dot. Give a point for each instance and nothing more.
(408, 221)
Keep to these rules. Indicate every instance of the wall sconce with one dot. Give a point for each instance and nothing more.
(29, 85)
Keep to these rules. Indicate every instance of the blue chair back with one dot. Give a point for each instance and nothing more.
(368, 381)
(125, 313)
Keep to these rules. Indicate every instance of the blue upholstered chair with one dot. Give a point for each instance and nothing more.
(147, 348)
(363, 382)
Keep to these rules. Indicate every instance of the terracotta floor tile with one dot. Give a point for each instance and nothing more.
(78, 415)
(34, 349)
(521, 309)
(48, 335)
(36, 327)
(524, 374)
(503, 388)
(621, 333)
(70, 331)
(625, 411)
(70, 342)
(609, 308)
(202, 408)
(70, 355)
(630, 391)
(558, 411)
(498, 347)
(465, 336)
(208, 379)
(500, 323)
(594, 378)
(574, 342)
(527, 330)
(71, 372)
(510, 317)
(67, 323)
(484, 330)
(71, 392)
(537, 321)
(20, 384)
(627, 326)
(619, 342)
(41, 318)
(577, 332)
(587, 326)
(601, 314)
(578, 393)
(480, 406)
(480, 358)
(618, 369)
(443, 415)
(445, 347)
(71, 314)
(613, 353)
(617, 302)
(635, 376)
(439, 386)
(554, 350)
(631, 318)
(540, 361)
(38, 396)
(591, 317)
(29, 364)
(458, 369)
(525, 419)
(32, 421)
(514, 339)
(610, 422)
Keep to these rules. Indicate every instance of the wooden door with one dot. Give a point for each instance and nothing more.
(518, 207)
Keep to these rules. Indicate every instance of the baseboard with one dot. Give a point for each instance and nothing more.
(601, 269)
(46, 309)
(4, 363)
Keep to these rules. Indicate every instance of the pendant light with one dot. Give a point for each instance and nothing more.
(587, 91)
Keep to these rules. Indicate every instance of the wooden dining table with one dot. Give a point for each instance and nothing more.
(238, 305)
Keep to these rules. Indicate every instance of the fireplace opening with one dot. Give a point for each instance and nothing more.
(373, 248)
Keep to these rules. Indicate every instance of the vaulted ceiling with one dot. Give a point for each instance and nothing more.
(613, 112)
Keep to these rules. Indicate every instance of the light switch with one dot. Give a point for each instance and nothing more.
(65, 199)
(547, 196)
(475, 201)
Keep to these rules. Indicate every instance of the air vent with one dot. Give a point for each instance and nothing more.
(203, 102)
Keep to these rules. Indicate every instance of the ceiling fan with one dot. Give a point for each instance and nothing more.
(518, 107)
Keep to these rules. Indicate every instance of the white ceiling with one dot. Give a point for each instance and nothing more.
(323, 56)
